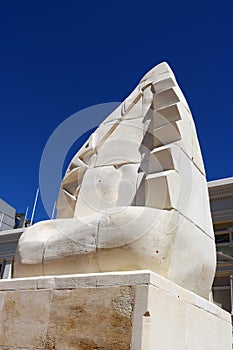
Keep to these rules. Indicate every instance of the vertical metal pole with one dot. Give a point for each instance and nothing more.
(34, 207)
(25, 217)
(231, 284)
(53, 212)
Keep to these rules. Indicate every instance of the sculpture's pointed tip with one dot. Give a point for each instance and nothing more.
(160, 68)
(163, 67)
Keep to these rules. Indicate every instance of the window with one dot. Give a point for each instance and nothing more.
(2, 267)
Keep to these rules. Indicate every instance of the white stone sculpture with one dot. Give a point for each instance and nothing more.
(134, 197)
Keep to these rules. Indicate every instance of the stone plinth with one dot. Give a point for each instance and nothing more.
(122, 310)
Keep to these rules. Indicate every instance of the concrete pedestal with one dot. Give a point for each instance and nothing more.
(122, 310)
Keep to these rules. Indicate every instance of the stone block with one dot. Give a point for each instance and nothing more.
(184, 250)
(111, 311)
(99, 190)
(128, 135)
(25, 319)
(166, 134)
(166, 115)
(65, 204)
(164, 84)
(161, 159)
(127, 184)
(162, 190)
(166, 98)
(72, 180)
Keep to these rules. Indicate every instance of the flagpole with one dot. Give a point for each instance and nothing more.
(53, 212)
(34, 207)
(25, 217)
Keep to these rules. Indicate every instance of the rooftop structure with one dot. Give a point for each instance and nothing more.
(7, 216)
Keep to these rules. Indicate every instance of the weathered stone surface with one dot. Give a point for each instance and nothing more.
(91, 318)
(110, 311)
(24, 318)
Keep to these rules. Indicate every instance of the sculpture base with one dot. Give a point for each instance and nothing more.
(123, 310)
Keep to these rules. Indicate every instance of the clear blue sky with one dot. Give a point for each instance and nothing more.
(58, 57)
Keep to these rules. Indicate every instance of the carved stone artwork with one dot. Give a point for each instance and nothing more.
(134, 197)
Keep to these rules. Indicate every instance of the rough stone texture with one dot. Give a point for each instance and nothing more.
(79, 318)
(97, 318)
(133, 197)
(129, 310)
(25, 317)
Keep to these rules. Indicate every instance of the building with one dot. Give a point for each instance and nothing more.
(11, 228)
(221, 202)
(8, 243)
(7, 216)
